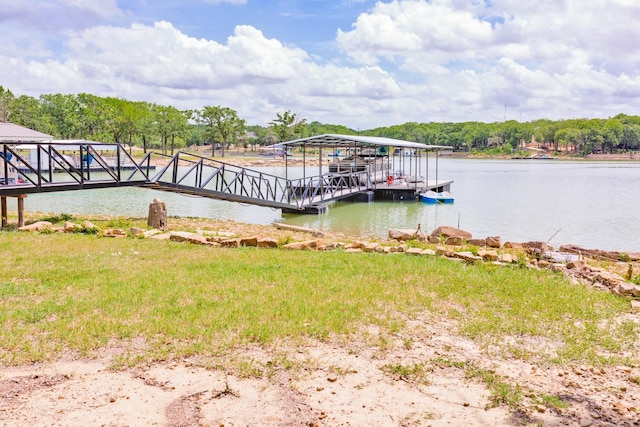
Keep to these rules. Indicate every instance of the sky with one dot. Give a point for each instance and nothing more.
(359, 63)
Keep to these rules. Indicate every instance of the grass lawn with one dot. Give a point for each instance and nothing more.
(76, 293)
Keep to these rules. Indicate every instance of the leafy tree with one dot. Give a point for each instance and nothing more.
(611, 134)
(170, 123)
(26, 112)
(630, 138)
(288, 125)
(220, 123)
(62, 114)
(6, 103)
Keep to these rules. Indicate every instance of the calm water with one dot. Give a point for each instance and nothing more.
(591, 204)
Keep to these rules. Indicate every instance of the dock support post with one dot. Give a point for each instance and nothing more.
(21, 198)
(3, 202)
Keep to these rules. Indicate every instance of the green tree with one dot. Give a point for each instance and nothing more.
(288, 125)
(62, 115)
(222, 124)
(611, 134)
(26, 112)
(6, 103)
(630, 139)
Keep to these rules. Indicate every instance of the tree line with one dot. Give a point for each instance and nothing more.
(152, 126)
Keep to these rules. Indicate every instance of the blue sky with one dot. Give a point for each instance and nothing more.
(361, 63)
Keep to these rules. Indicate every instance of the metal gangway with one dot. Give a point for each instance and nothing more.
(49, 167)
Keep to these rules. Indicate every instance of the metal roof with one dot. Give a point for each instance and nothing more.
(10, 132)
(334, 140)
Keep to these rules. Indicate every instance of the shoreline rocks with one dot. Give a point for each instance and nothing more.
(450, 242)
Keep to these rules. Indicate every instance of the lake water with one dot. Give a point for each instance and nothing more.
(590, 204)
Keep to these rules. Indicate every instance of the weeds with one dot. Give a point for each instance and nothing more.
(410, 373)
(502, 393)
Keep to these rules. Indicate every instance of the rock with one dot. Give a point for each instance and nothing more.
(136, 231)
(635, 306)
(591, 252)
(403, 234)
(541, 408)
(494, 241)
(433, 239)
(447, 231)
(301, 246)
(541, 246)
(372, 247)
(334, 246)
(353, 251)
(467, 256)
(70, 227)
(488, 255)
(577, 265)
(249, 241)
(453, 241)
(630, 289)
(414, 251)
(444, 251)
(267, 243)
(160, 236)
(506, 258)
(230, 243)
(88, 225)
(513, 245)
(429, 252)
(152, 232)
(477, 242)
(225, 234)
(158, 215)
(36, 226)
(193, 238)
(543, 263)
(585, 422)
(114, 232)
(633, 256)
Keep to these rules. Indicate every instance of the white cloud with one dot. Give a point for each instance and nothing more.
(443, 60)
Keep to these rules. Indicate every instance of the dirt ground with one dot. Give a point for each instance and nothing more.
(346, 384)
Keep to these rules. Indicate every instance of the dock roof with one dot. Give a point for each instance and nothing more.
(10, 132)
(335, 140)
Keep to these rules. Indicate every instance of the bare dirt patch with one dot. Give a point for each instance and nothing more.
(355, 383)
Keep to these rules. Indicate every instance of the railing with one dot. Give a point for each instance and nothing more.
(187, 173)
(47, 167)
(43, 167)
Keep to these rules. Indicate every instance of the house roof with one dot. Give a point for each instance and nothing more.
(10, 132)
(346, 141)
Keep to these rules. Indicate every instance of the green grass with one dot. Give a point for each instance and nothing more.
(71, 292)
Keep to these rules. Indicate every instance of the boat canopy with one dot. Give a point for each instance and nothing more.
(358, 141)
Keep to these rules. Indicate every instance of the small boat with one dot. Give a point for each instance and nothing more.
(431, 197)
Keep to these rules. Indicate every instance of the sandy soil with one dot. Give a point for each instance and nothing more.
(329, 385)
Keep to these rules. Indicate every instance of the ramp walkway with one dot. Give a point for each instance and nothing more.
(49, 167)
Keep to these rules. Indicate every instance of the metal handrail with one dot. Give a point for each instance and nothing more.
(76, 164)
(210, 177)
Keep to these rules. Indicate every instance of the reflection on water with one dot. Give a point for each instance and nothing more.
(592, 204)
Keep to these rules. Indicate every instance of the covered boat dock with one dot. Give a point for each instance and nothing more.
(389, 169)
